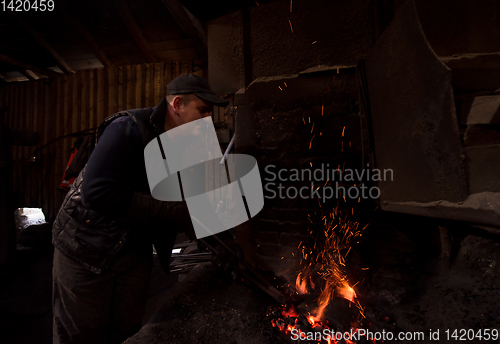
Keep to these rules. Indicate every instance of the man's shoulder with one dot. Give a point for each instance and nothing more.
(123, 119)
(133, 123)
(122, 128)
(126, 116)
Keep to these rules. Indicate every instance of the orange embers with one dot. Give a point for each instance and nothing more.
(324, 273)
(326, 261)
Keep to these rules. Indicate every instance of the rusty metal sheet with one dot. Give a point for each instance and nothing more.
(413, 114)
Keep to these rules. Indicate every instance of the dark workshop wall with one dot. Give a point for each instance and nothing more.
(269, 40)
(69, 104)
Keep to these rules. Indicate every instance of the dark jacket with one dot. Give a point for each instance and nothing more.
(86, 235)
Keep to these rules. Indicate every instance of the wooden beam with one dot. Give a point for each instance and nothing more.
(182, 18)
(133, 28)
(197, 24)
(78, 27)
(39, 70)
(60, 61)
(29, 74)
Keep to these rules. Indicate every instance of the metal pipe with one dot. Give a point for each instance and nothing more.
(228, 149)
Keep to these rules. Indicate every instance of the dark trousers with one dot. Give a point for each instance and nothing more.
(108, 308)
(91, 308)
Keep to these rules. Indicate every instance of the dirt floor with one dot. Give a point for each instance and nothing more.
(462, 300)
(208, 306)
(411, 288)
(423, 296)
(204, 305)
(25, 299)
(407, 288)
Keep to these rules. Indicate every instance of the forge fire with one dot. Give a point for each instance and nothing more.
(324, 277)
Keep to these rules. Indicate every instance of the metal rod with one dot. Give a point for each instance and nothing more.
(228, 149)
(197, 255)
(185, 265)
(204, 258)
(269, 288)
(214, 251)
(182, 269)
(183, 245)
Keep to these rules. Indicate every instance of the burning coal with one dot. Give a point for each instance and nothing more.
(324, 274)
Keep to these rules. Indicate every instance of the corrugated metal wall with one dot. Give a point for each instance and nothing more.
(70, 104)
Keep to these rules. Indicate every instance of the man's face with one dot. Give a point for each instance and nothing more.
(195, 109)
(191, 125)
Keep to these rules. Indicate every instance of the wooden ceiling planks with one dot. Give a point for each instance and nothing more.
(92, 34)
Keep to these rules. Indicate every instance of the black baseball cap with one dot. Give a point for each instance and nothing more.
(193, 84)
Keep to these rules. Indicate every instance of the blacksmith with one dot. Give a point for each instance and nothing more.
(108, 221)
